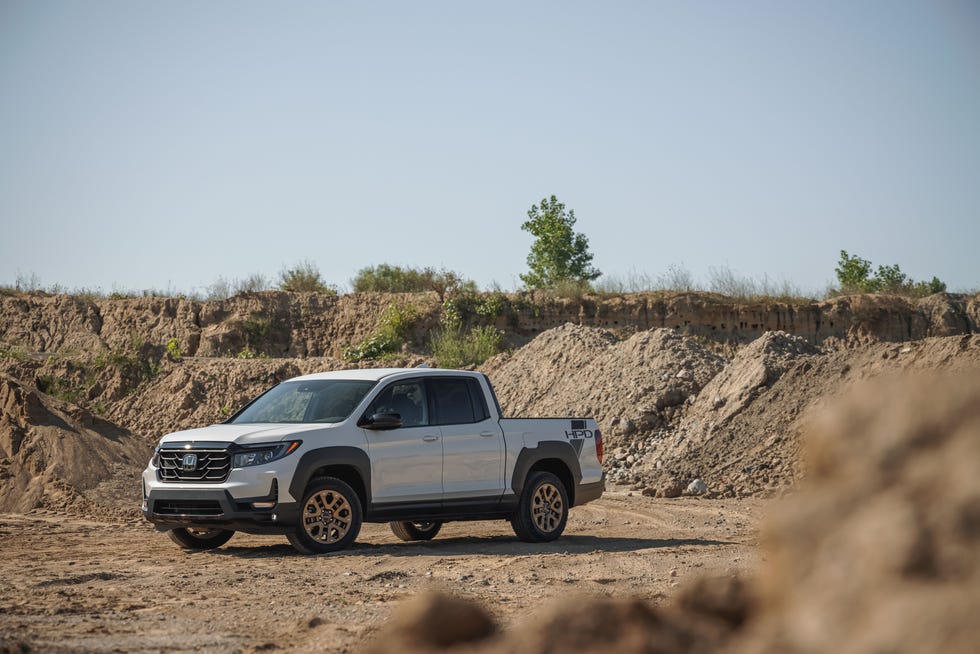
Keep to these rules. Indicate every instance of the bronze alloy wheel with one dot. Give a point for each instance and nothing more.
(542, 509)
(547, 508)
(327, 516)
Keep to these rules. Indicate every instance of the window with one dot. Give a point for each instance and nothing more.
(321, 400)
(479, 400)
(452, 401)
(407, 399)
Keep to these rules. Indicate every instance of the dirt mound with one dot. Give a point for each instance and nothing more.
(631, 387)
(754, 367)
(883, 542)
(756, 449)
(705, 440)
(52, 453)
(877, 554)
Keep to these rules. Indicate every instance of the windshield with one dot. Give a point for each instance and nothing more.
(321, 400)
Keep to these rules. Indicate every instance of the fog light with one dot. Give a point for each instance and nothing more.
(263, 505)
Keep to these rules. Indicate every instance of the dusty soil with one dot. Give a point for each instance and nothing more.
(84, 584)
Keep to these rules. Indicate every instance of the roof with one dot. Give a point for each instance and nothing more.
(374, 374)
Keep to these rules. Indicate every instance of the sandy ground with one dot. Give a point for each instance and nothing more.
(74, 584)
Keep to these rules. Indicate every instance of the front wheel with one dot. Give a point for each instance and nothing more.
(330, 518)
(424, 530)
(200, 539)
(542, 510)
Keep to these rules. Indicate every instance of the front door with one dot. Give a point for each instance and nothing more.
(406, 463)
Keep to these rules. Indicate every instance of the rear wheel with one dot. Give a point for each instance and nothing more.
(192, 538)
(420, 530)
(542, 510)
(330, 518)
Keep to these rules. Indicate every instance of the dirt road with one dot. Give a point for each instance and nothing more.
(74, 584)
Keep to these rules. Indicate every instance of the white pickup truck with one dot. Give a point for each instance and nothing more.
(315, 456)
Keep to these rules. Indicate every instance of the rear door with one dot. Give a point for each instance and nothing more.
(472, 442)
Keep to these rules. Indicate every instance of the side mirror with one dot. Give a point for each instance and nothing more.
(382, 421)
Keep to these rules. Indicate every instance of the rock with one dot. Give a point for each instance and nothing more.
(697, 487)
(684, 373)
(670, 488)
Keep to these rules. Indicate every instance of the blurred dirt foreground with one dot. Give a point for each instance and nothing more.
(878, 552)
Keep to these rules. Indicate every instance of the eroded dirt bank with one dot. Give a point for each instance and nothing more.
(282, 324)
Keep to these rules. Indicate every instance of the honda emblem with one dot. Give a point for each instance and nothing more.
(189, 462)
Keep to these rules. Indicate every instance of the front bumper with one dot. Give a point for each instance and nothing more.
(217, 509)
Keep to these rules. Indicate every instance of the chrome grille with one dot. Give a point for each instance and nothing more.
(212, 466)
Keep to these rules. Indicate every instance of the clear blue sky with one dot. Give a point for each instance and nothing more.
(156, 144)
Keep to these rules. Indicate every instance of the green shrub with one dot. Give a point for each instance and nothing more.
(454, 348)
(60, 389)
(854, 276)
(394, 328)
(304, 277)
(386, 278)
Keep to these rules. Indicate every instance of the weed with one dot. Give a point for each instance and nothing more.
(173, 349)
(13, 352)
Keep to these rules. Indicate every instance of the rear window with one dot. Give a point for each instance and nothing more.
(453, 402)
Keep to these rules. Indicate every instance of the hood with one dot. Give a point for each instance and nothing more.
(243, 434)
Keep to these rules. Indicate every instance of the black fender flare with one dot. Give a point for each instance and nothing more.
(564, 452)
(338, 455)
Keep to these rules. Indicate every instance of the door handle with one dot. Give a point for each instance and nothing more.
(488, 433)
(430, 439)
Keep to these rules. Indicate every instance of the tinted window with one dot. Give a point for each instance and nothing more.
(452, 401)
(407, 399)
(479, 400)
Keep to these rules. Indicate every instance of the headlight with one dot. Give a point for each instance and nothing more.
(262, 454)
(155, 459)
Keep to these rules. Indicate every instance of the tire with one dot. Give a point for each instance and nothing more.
(542, 510)
(420, 530)
(200, 539)
(330, 517)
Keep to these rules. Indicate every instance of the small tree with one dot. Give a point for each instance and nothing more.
(891, 279)
(853, 273)
(558, 255)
